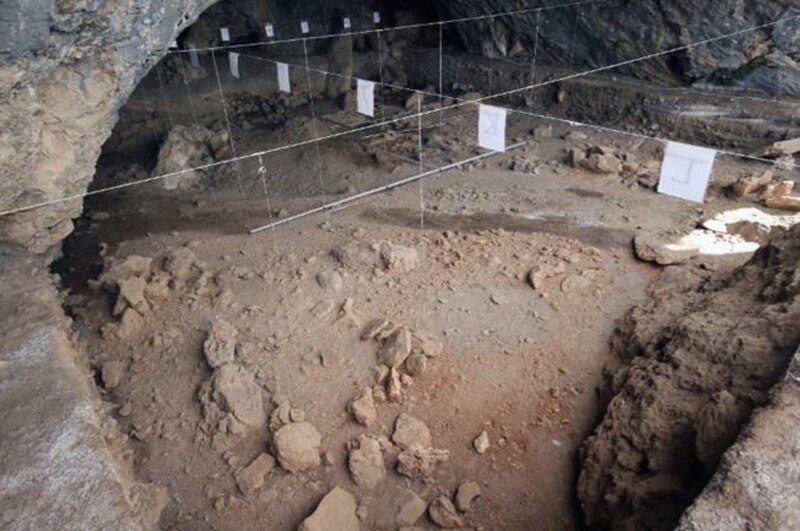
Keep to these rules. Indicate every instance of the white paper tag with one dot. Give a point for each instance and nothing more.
(233, 59)
(270, 29)
(304, 27)
(366, 97)
(284, 83)
(347, 23)
(173, 45)
(492, 127)
(376, 17)
(686, 171)
(225, 34)
(194, 58)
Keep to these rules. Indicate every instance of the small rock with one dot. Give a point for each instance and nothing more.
(251, 478)
(394, 389)
(466, 493)
(111, 373)
(396, 349)
(132, 325)
(443, 513)
(418, 462)
(779, 189)
(236, 391)
(750, 184)
(481, 442)
(409, 431)
(399, 507)
(330, 280)
(416, 364)
(131, 294)
(398, 258)
(785, 203)
(298, 447)
(179, 263)
(365, 462)
(649, 250)
(336, 511)
(220, 346)
(363, 409)
(374, 328)
(426, 343)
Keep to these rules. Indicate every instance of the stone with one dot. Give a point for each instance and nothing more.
(409, 431)
(131, 326)
(132, 266)
(602, 163)
(374, 328)
(236, 391)
(750, 184)
(336, 512)
(782, 148)
(419, 462)
(363, 408)
(298, 447)
(648, 249)
(179, 263)
(785, 203)
(466, 493)
(280, 416)
(443, 513)
(131, 294)
(398, 258)
(426, 343)
(481, 442)
(330, 280)
(251, 478)
(399, 507)
(394, 388)
(365, 462)
(220, 345)
(416, 364)
(396, 349)
(779, 189)
(111, 373)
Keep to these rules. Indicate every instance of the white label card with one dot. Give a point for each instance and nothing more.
(194, 58)
(270, 29)
(347, 24)
(173, 45)
(304, 27)
(284, 83)
(686, 171)
(376, 17)
(492, 127)
(366, 97)
(233, 59)
(225, 34)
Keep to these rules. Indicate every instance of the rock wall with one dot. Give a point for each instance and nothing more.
(66, 68)
(698, 360)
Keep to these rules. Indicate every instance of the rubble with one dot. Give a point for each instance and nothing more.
(365, 462)
(363, 408)
(297, 447)
(481, 442)
(220, 345)
(466, 494)
(251, 478)
(443, 513)
(596, 159)
(418, 462)
(409, 431)
(336, 511)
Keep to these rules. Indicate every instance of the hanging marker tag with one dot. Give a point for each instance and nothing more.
(492, 127)
(194, 59)
(225, 34)
(376, 17)
(270, 30)
(366, 97)
(173, 45)
(304, 27)
(686, 171)
(284, 84)
(347, 24)
(233, 58)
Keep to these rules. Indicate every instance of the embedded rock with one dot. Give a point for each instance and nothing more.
(365, 462)
(409, 431)
(298, 446)
(336, 511)
(396, 349)
(236, 391)
(220, 346)
(251, 478)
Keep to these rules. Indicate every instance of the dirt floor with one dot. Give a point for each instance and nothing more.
(217, 347)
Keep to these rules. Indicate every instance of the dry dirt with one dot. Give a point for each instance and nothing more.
(521, 271)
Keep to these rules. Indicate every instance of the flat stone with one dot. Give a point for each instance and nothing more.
(399, 507)
(396, 349)
(363, 408)
(236, 391)
(336, 512)
(367, 468)
(409, 431)
(481, 442)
